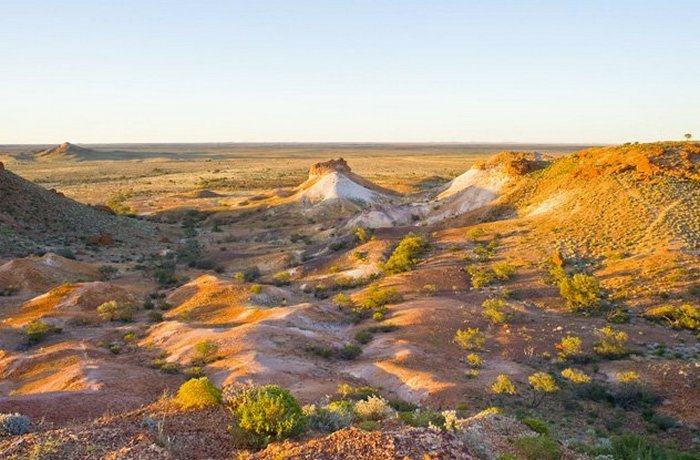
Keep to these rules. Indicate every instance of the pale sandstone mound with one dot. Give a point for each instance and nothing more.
(334, 181)
(39, 274)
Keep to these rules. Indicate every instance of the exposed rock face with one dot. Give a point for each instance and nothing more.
(2, 165)
(325, 167)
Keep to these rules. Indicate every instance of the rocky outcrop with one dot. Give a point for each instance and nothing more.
(325, 167)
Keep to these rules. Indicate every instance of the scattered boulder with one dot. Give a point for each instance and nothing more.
(103, 239)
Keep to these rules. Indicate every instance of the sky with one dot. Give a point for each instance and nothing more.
(574, 71)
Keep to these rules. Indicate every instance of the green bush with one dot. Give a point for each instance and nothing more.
(349, 351)
(480, 276)
(613, 343)
(631, 446)
(269, 413)
(407, 254)
(342, 300)
(423, 417)
(470, 339)
(205, 351)
(197, 394)
(375, 297)
(37, 331)
(503, 270)
(282, 278)
(155, 316)
(536, 425)
(680, 317)
(116, 311)
(538, 448)
(581, 292)
(364, 337)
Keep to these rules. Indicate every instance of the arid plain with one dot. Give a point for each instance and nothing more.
(421, 301)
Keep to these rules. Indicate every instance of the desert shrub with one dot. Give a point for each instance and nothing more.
(541, 384)
(633, 395)
(592, 391)
(632, 446)
(250, 274)
(575, 376)
(480, 276)
(494, 310)
(429, 289)
(470, 339)
(155, 316)
(269, 412)
(256, 289)
(193, 372)
(680, 317)
(322, 351)
(342, 300)
(474, 360)
(197, 394)
(116, 311)
(613, 343)
(581, 292)
(356, 393)
(627, 376)
(423, 418)
(37, 331)
(538, 448)
(148, 304)
(569, 347)
(108, 271)
(364, 337)
(14, 424)
(375, 297)
(536, 425)
(337, 245)
(368, 425)
(482, 252)
(282, 278)
(328, 418)
(205, 351)
(373, 408)
(115, 348)
(503, 385)
(401, 405)
(503, 270)
(349, 351)
(407, 254)
(362, 235)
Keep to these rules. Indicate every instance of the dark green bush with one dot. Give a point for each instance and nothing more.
(538, 448)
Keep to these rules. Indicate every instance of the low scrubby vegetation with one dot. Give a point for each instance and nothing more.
(407, 254)
(198, 393)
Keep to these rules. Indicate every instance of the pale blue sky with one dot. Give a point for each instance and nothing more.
(293, 70)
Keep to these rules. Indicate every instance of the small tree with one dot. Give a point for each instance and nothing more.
(470, 339)
(688, 136)
(503, 386)
(542, 384)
